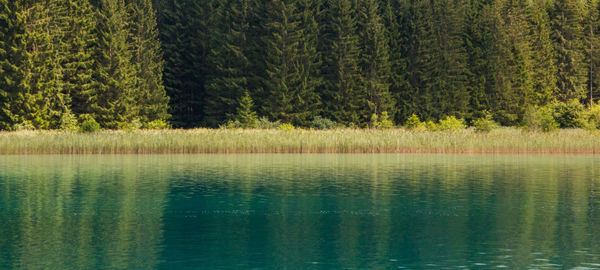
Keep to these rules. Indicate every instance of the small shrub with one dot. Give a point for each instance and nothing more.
(413, 122)
(451, 123)
(385, 122)
(540, 118)
(68, 122)
(485, 124)
(322, 123)
(374, 120)
(547, 122)
(157, 124)
(131, 126)
(246, 116)
(593, 117)
(430, 125)
(231, 124)
(89, 124)
(25, 125)
(569, 114)
(286, 127)
(265, 123)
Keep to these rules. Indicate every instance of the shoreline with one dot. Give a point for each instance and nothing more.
(339, 141)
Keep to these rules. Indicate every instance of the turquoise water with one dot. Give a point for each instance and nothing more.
(299, 212)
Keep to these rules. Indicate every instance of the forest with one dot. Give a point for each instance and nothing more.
(190, 63)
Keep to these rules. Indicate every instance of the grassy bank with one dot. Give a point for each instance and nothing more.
(503, 140)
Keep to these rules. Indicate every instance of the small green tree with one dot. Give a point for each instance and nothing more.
(246, 115)
(413, 122)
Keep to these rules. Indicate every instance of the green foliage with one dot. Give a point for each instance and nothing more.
(593, 116)
(25, 125)
(135, 124)
(68, 122)
(321, 123)
(246, 116)
(485, 124)
(384, 121)
(451, 123)
(431, 126)
(89, 124)
(413, 122)
(265, 123)
(286, 127)
(569, 114)
(157, 124)
(541, 118)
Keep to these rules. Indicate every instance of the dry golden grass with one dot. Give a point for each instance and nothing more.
(503, 140)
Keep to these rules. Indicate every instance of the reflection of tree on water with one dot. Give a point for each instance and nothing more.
(370, 211)
(83, 212)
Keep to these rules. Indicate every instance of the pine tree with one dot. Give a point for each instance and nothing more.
(12, 58)
(76, 57)
(186, 27)
(113, 100)
(308, 102)
(147, 58)
(246, 114)
(567, 35)
(44, 99)
(282, 60)
(543, 75)
(228, 62)
(513, 67)
(374, 58)
(396, 17)
(480, 39)
(344, 95)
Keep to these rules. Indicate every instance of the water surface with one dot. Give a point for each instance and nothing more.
(299, 212)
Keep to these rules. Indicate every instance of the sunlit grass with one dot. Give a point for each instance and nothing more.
(503, 140)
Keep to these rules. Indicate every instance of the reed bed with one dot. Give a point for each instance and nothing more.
(503, 140)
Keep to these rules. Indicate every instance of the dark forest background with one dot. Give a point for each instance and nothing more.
(192, 63)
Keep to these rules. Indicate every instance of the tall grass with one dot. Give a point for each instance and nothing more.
(503, 140)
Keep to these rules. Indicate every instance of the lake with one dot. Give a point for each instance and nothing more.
(299, 212)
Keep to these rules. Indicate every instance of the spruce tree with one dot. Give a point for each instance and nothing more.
(344, 94)
(396, 17)
(186, 27)
(76, 58)
(480, 40)
(147, 58)
(228, 62)
(513, 67)
(543, 75)
(113, 100)
(282, 60)
(12, 58)
(567, 37)
(374, 58)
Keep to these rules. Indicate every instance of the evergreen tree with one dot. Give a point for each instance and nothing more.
(567, 35)
(308, 101)
(147, 58)
(282, 60)
(374, 58)
(396, 18)
(543, 75)
(76, 58)
(185, 28)
(228, 62)
(246, 114)
(480, 40)
(12, 58)
(513, 67)
(114, 99)
(344, 94)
